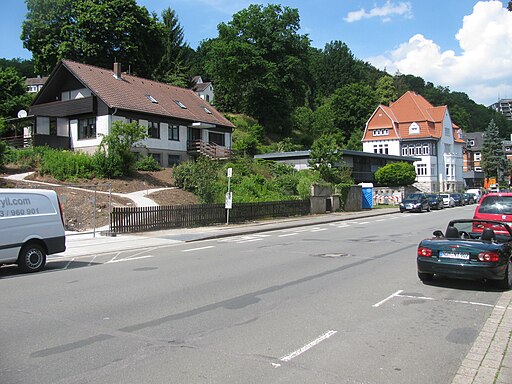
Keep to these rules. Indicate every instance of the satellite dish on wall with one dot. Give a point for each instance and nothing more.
(22, 113)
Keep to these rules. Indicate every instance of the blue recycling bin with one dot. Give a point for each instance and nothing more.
(367, 190)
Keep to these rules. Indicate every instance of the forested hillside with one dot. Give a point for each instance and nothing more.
(260, 65)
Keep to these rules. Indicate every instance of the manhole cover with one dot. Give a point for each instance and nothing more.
(332, 255)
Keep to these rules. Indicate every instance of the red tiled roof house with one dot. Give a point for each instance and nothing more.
(79, 103)
(411, 126)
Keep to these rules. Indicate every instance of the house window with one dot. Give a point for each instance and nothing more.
(173, 132)
(417, 149)
(217, 138)
(478, 169)
(478, 156)
(381, 132)
(152, 99)
(414, 129)
(173, 160)
(180, 104)
(425, 149)
(470, 143)
(157, 157)
(153, 130)
(421, 169)
(53, 126)
(87, 128)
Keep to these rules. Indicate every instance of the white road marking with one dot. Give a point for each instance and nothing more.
(289, 234)
(363, 222)
(387, 298)
(128, 259)
(69, 262)
(300, 351)
(197, 249)
(90, 262)
(398, 294)
(319, 229)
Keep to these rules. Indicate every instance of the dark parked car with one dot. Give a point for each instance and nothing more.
(435, 201)
(469, 198)
(469, 249)
(459, 200)
(415, 202)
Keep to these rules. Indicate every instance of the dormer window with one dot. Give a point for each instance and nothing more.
(414, 129)
(180, 104)
(152, 99)
(470, 143)
(381, 132)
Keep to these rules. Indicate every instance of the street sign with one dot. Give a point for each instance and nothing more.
(229, 200)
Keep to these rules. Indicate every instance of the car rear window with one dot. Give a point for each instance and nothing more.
(496, 204)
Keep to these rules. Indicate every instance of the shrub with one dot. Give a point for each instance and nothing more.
(147, 163)
(67, 165)
(396, 174)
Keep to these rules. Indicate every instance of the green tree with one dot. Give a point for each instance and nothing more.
(335, 67)
(115, 157)
(494, 163)
(95, 32)
(13, 95)
(385, 91)
(396, 174)
(352, 106)
(174, 67)
(259, 64)
(326, 158)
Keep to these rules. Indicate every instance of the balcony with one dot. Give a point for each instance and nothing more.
(211, 150)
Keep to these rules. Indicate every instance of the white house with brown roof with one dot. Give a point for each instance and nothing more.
(411, 126)
(79, 103)
(204, 89)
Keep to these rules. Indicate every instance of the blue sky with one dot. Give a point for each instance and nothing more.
(463, 44)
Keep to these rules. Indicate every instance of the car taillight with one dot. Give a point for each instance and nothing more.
(61, 212)
(488, 256)
(424, 252)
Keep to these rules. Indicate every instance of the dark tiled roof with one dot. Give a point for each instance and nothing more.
(131, 93)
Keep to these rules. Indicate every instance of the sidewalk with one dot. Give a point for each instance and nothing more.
(488, 361)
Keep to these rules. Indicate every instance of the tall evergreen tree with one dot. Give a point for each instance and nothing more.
(174, 67)
(494, 163)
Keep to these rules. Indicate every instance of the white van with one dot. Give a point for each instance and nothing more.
(31, 227)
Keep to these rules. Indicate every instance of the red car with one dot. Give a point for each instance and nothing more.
(495, 206)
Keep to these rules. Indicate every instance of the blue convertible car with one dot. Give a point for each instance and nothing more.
(469, 249)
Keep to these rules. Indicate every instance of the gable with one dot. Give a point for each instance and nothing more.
(131, 93)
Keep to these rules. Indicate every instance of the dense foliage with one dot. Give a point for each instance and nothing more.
(494, 162)
(396, 174)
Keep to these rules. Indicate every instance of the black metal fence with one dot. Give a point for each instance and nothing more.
(142, 219)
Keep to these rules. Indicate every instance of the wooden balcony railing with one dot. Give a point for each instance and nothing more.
(211, 150)
(18, 141)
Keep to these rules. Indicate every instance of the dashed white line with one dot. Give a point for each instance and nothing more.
(197, 249)
(289, 234)
(310, 345)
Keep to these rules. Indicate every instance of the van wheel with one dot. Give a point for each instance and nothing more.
(32, 258)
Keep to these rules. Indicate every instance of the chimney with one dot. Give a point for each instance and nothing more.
(117, 70)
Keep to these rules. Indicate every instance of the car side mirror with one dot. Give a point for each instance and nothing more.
(438, 233)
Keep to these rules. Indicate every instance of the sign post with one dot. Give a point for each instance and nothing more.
(229, 196)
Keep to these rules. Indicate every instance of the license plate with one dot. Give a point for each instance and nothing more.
(454, 255)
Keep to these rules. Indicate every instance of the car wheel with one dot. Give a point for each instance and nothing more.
(428, 208)
(32, 258)
(425, 276)
(506, 282)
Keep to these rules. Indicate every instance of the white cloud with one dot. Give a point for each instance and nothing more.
(483, 68)
(385, 12)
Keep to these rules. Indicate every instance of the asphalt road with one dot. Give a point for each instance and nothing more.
(331, 303)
